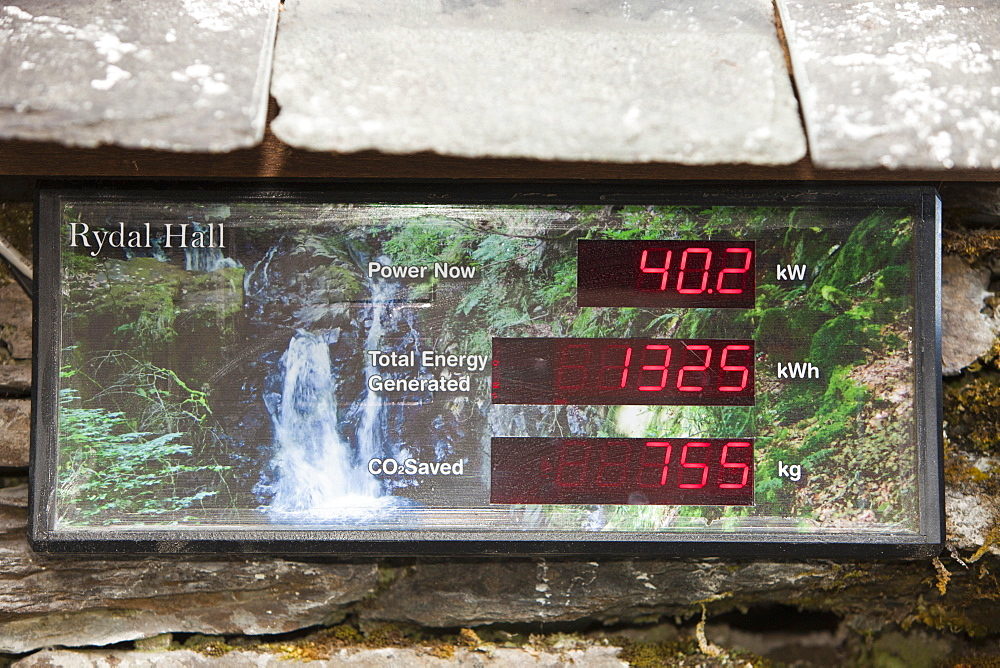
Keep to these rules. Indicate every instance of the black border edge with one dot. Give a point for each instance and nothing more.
(928, 365)
(46, 333)
(927, 323)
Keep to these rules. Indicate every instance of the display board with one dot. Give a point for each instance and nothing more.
(418, 368)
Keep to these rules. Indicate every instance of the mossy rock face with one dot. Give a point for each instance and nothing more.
(336, 283)
(212, 298)
(831, 300)
(155, 302)
(806, 246)
(137, 297)
(842, 340)
(779, 327)
(311, 282)
(856, 258)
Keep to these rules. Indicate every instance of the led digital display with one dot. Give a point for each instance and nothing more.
(691, 274)
(623, 471)
(663, 372)
(420, 369)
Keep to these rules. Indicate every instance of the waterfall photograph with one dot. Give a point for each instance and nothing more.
(296, 364)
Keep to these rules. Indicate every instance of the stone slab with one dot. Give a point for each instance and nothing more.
(79, 601)
(15, 322)
(15, 379)
(966, 332)
(74, 601)
(648, 80)
(13, 504)
(613, 593)
(183, 76)
(389, 657)
(15, 432)
(900, 85)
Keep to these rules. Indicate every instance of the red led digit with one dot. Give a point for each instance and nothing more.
(666, 273)
(624, 372)
(622, 471)
(694, 367)
(663, 465)
(620, 466)
(734, 465)
(734, 270)
(736, 368)
(581, 351)
(662, 368)
(620, 376)
(704, 271)
(574, 448)
(694, 465)
(646, 269)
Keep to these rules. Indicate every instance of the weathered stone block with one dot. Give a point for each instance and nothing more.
(15, 432)
(74, 601)
(670, 80)
(189, 76)
(966, 332)
(15, 323)
(15, 379)
(390, 657)
(899, 85)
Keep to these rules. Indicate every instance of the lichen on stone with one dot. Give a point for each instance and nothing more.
(213, 646)
(972, 411)
(973, 245)
(324, 643)
(683, 653)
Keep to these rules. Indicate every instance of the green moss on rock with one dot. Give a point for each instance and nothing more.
(856, 257)
(682, 653)
(843, 340)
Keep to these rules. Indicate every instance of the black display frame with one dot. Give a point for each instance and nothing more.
(923, 201)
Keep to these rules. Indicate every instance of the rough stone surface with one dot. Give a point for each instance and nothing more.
(13, 502)
(966, 332)
(648, 80)
(592, 657)
(610, 592)
(15, 379)
(46, 601)
(184, 76)
(55, 600)
(900, 85)
(971, 518)
(15, 432)
(15, 323)
(15, 376)
(867, 595)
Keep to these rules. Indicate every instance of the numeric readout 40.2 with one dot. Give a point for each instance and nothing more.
(666, 273)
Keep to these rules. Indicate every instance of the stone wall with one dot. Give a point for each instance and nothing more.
(252, 611)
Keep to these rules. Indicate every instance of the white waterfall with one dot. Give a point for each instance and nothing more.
(316, 473)
(372, 426)
(207, 259)
(314, 468)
